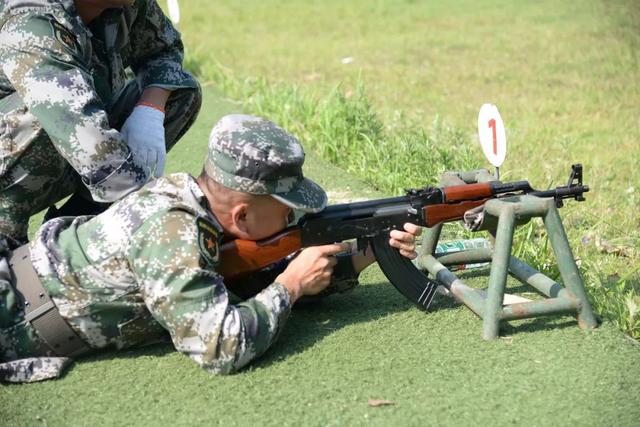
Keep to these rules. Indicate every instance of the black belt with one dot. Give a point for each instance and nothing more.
(40, 311)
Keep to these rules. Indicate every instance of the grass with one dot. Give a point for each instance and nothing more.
(565, 76)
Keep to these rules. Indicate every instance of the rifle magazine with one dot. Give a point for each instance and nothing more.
(402, 273)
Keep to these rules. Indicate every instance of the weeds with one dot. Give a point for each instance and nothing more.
(615, 298)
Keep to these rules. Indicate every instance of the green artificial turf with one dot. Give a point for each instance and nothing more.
(334, 356)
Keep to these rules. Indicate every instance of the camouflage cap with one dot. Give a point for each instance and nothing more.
(253, 155)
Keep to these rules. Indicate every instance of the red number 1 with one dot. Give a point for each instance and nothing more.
(492, 125)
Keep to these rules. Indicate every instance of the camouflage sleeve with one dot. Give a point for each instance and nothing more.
(192, 303)
(157, 51)
(43, 62)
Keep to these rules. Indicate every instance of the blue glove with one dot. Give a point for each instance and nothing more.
(144, 132)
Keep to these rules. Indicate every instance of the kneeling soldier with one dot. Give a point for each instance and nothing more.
(73, 120)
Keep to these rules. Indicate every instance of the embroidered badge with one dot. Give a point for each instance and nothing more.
(64, 36)
(208, 240)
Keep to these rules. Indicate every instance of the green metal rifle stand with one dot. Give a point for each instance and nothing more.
(501, 216)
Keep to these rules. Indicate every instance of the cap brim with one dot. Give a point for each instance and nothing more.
(307, 197)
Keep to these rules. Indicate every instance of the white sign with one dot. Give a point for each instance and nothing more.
(174, 11)
(491, 133)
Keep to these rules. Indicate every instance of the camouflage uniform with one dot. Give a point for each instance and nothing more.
(64, 93)
(147, 266)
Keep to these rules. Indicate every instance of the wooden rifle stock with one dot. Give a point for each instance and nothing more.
(243, 257)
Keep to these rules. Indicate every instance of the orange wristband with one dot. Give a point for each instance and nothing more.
(151, 105)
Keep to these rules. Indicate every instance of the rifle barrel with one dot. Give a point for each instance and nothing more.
(562, 192)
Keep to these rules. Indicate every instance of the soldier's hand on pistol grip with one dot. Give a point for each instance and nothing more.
(310, 272)
(144, 132)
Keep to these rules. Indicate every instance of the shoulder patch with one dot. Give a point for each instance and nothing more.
(209, 236)
(64, 36)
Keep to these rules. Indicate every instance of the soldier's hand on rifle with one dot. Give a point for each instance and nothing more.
(405, 241)
(310, 272)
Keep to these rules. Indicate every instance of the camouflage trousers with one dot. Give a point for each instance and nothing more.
(33, 174)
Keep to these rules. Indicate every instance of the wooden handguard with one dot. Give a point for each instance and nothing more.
(436, 214)
(467, 192)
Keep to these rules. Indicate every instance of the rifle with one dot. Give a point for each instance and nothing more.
(370, 222)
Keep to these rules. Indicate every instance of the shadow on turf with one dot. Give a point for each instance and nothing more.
(310, 323)
(537, 324)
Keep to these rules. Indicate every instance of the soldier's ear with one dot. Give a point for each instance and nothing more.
(239, 219)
